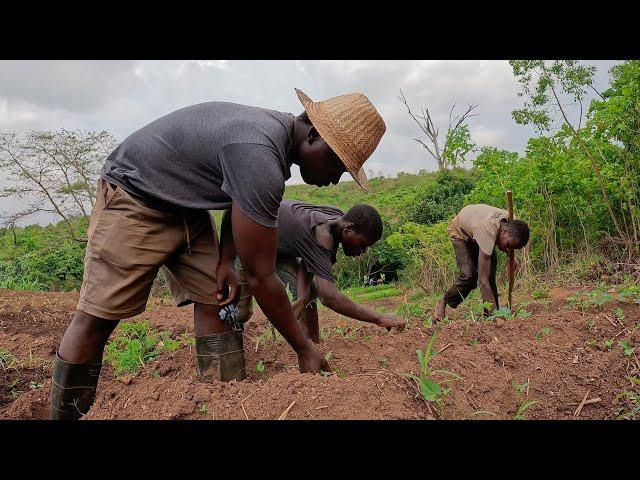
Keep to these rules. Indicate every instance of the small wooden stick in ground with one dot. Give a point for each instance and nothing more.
(444, 348)
(510, 252)
(588, 402)
(620, 332)
(609, 319)
(579, 409)
(249, 396)
(286, 412)
(245, 412)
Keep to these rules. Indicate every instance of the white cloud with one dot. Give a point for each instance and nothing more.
(122, 96)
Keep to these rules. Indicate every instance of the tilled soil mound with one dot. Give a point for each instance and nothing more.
(560, 366)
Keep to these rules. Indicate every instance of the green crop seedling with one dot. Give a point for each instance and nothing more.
(522, 408)
(626, 347)
(134, 346)
(538, 294)
(523, 405)
(594, 298)
(544, 331)
(431, 390)
(260, 367)
(7, 360)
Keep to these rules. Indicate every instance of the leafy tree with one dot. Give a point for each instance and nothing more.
(55, 171)
(615, 120)
(549, 84)
(457, 140)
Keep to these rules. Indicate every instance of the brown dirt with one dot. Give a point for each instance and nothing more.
(560, 367)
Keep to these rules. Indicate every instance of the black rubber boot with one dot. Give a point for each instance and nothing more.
(221, 357)
(73, 388)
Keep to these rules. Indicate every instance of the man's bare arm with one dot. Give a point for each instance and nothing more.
(331, 297)
(228, 288)
(303, 289)
(484, 268)
(256, 246)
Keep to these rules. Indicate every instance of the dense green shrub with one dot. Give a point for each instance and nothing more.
(442, 199)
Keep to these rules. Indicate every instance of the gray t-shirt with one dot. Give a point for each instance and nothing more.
(296, 238)
(203, 156)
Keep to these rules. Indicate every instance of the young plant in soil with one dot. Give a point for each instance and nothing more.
(523, 404)
(260, 367)
(7, 360)
(383, 362)
(626, 347)
(136, 345)
(541, 293)
(544, 331)
(630, 292)
(630, 410)
(593, 299)
(430, 389)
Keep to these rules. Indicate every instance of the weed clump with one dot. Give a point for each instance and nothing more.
(135, 345)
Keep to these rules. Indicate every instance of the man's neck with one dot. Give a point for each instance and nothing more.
(299, 135)
(328, 233)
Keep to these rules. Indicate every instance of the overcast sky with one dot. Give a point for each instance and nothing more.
(122, 96)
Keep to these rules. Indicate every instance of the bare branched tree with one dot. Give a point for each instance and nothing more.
(55, 171)
(457, 142)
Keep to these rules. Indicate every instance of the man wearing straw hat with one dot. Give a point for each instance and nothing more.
(154, 194)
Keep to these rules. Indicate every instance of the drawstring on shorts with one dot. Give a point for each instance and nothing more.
(186, 231)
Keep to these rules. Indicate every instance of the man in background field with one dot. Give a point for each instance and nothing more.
(475, 232)
(312, 234)
(154, 197)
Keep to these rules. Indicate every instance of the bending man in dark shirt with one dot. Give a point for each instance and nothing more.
(308, 240)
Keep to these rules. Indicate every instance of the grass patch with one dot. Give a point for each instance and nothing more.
(376, 292)
(135, 345)
(411, 310)
(7, 360)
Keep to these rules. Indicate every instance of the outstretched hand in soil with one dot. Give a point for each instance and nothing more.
(312, 361)
(391, 320)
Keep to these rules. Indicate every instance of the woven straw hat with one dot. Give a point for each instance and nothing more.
(350, 125)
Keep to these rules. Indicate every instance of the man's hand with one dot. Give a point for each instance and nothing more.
(391, 320)
(311, 360)
(228, 287)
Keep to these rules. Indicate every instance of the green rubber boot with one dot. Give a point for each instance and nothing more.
(73, 389)
(221, 357)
